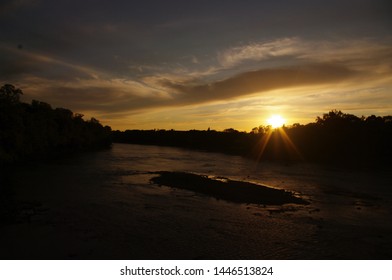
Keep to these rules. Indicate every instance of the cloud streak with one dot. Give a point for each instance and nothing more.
(358, 50)
(19, 62)
(260, 51)
(261, 81)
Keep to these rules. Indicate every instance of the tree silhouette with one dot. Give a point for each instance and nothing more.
(36, 130)
(10, 94)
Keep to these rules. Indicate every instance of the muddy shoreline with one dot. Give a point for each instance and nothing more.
(227, 189)
(104, 206)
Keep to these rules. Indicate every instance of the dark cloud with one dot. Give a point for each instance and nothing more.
(261, 81)
(13, 6)
(155, 31)
(12, 69)
(102, 99)
(18, 63)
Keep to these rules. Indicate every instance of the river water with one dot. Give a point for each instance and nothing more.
(103, 206)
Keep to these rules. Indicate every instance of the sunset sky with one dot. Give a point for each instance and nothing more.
(198, 64)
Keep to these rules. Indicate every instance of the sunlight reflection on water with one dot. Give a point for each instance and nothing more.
(350, 197)
(341, 194)
(109, 196)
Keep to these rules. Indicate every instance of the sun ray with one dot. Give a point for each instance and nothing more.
(289, 143)
(276, 134)
(263, 144)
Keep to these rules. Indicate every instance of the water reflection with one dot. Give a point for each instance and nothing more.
(334, 190)
(104, 206)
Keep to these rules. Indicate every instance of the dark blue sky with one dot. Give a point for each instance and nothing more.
(194, 64)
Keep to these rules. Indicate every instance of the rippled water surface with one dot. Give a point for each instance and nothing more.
(103, 206)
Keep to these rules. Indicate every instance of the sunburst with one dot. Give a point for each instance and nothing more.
(276, 121)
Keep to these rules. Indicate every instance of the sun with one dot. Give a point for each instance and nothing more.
(276, 121)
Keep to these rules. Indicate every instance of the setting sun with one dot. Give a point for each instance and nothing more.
(276, 121)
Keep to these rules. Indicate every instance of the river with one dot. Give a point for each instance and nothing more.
(102, 205)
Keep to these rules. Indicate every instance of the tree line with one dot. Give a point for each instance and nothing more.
(36, 130)
(334, 138)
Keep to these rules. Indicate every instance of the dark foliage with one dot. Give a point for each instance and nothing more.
(36, 131)
(232, 142)
(335, 138)
(344, 138)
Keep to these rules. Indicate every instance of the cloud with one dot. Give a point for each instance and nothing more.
(127, 96)
(260, 51)
(260, 81)
(365, 51)
(103, 96)
(13, 5)
(327, 65)
(18, 62)
(357, 53)
(240, 73)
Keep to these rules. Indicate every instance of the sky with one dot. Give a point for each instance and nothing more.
(200, 64)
